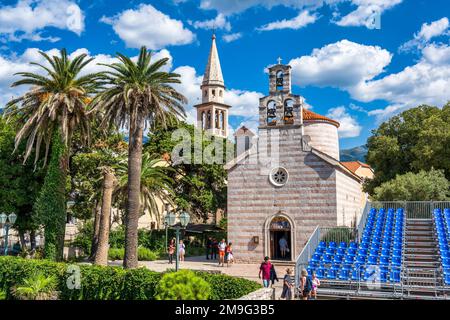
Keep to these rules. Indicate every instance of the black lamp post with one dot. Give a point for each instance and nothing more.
(184, 221)
(6, 221)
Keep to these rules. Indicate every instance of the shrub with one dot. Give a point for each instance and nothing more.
(112, 283)
(182, 285)
(144, 254)
(339, 234)
(37, 287)
(3, 295)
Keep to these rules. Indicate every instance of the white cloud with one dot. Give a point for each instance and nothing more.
(150, 27)
(28, 18)
(301, 20)
(426, 33)
(364, 13)
(349, 126)
(220, 22)
(232, 37)
(342, 64)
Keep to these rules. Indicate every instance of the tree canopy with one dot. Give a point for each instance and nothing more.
(421, 186)
(417, 139)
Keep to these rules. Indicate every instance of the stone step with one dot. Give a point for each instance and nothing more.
(422, 264)
(417, 250)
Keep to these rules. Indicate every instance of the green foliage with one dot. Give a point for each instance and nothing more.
(226, 287)
(20, 183)
(200, 188)
(422, 186)
(339, 234)
(417, 139)
(83, 239)
(112, 283)
(3, 295)
(36, 287)
(182, 285)
(144, 254)
(50, 206)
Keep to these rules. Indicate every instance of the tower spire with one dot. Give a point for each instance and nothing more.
(213, 72)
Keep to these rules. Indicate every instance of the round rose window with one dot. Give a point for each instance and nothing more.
(279, 176)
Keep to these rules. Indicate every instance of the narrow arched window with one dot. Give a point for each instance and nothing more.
(288, 111)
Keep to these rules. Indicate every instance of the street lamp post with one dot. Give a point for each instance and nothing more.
(6, 221)
(166, 223)
(184, 220)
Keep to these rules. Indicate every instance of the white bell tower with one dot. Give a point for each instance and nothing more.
(212, 113)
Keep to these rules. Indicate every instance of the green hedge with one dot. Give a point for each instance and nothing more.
(144, 254)
(112, 283)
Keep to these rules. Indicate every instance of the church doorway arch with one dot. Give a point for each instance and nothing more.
(280, 238)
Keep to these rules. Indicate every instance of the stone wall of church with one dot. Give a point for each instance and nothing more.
(350, 199)
(308, 198)
(324, 137)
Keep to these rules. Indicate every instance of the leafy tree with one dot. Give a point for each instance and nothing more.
(50, 206)
(417, 139)
(200, 188)
(54, 107)
(421, 186)
(182, 285)
(137, 94)
(20, 183)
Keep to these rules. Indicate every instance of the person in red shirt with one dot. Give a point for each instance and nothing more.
(264, 272)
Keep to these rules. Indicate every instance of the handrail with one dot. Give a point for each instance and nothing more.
(307, 252)
(363, 219)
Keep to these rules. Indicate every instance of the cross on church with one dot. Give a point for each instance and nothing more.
(279, 60)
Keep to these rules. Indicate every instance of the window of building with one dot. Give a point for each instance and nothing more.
(278, 176)
(213, 93)
(288, 111)
(220, 93)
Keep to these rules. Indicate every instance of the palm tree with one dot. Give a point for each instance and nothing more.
(54, 106)
(137, 95)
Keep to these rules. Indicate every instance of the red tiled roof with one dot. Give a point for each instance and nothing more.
(354, 165)
(312, 116)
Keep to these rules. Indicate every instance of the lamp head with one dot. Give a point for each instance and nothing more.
(171, 218)
(3, 218)
(12, 218)
(184, 219)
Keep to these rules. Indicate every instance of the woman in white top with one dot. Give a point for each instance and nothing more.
(182, 250)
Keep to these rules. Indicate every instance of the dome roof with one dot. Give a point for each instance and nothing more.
(312, 116)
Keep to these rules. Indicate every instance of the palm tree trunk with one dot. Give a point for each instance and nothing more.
(101, 256)
(134, 188)
(97, 217)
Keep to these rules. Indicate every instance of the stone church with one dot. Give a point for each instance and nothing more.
(285, 180)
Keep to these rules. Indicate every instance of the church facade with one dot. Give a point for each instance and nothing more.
(285, 180)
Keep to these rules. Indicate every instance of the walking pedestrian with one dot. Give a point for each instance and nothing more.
(214, 248)
(315, 285)
(222, 246)
(287, 285)
(305, 285)
(264, 272)
(182, 250)
(273, 274)
(171, 250)
(229, 254)
(209, 248)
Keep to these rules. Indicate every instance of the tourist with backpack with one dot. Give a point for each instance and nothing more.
(305, 285)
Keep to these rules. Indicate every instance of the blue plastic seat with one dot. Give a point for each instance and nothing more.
(331, 274)
(356, 274)
(338, 258)
(396, 261)
(322, 244)
(351, 251)
(384, 260)
(344, 274)
(326, 258)
(321, 272)
(353, 245)
(397, 253)
(343, 244)
(341, 251)
(316, 257)
(330, 250)
(394, 275)
(361, 259)
(372, 259)
(332, 245)
(364, 245)
(349, 259)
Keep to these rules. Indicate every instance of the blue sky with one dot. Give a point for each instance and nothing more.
(343, 66)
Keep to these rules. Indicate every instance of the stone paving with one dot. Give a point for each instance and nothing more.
(243, 270)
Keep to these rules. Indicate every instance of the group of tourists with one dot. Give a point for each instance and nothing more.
(308, 284)
(222, 248)
(172, 247)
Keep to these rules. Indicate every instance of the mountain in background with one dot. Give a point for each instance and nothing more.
(354, 154)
